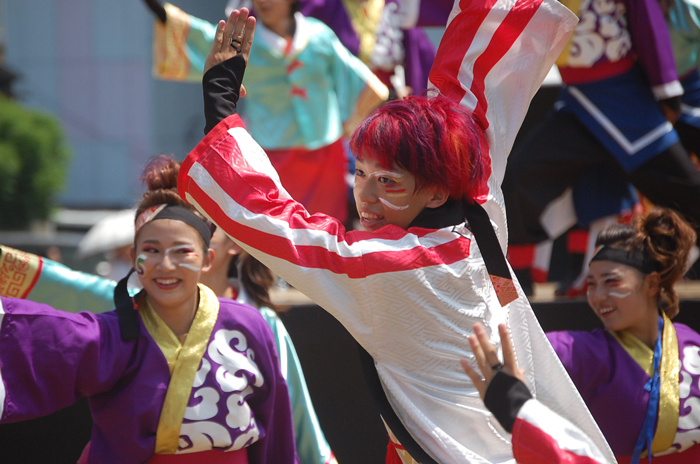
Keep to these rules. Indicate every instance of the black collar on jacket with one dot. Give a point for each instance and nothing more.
(450, 213)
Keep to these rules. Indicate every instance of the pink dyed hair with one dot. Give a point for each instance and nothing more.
(433, 138)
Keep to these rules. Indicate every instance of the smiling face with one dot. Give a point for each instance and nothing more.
(623, 298)
(169, 258)
(389, 196)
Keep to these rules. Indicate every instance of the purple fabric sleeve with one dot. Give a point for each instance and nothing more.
(652, 41)
(49, 359)
(580, 353)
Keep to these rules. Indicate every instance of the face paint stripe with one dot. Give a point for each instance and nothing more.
(190, 267)
(620, 295)
(392, 206)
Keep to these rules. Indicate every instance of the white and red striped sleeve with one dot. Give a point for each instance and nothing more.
(229, 178)
(492, 59)
(542, 437)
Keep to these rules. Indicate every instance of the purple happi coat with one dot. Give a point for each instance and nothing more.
(612, 384)
(236, 395)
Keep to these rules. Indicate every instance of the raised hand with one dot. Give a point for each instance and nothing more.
(232, 37)
(487, 358)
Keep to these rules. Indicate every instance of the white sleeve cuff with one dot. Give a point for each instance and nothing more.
(667, 90)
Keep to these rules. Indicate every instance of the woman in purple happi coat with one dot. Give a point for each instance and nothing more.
(640, 376)
(184, 378)
(180, 376)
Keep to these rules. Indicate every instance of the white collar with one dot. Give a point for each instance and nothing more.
(278, 44)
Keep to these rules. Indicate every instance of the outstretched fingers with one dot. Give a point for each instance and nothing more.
(486, 357)
(248, 37)
(490, 355)
(218, 37)
(510, 362)
(232, 37)
(229, 31)
(479, 383)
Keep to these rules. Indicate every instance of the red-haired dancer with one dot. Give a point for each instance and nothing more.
(429, 264)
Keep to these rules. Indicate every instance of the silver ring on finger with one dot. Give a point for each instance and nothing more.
(497, 367)
(236, 44)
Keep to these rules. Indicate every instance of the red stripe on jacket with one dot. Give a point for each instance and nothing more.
(531, 445)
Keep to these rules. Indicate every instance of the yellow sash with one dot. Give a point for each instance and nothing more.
(365, 17)
(669, 400)
(183, 361)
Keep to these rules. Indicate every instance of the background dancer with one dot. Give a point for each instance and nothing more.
(412, 285)
(305, 94)
(617, 69)
(73, 291)
(185, 376)
(640, 356)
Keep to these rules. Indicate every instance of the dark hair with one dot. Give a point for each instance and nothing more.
(433, 138)
(160, 177)
(256, 279)
(666, 239)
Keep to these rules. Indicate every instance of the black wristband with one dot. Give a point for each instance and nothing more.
(221, 86)
(504, 397)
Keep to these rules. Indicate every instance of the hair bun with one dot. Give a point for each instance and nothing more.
(161, 173)
(667, 232)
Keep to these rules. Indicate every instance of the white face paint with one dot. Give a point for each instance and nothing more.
(191, 254)
(388, 204)
(190, 267)
(621, 294)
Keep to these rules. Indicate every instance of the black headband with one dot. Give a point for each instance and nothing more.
(635, 259)
(180, 213)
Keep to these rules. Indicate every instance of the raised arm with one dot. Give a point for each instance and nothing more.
(493, 58)
(222, 84)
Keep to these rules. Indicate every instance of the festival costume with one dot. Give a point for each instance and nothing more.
(410, 297)
(383, 34)
(299, 95)
(618, 63)
(68, 290)
(609, 367)
(220, 393)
